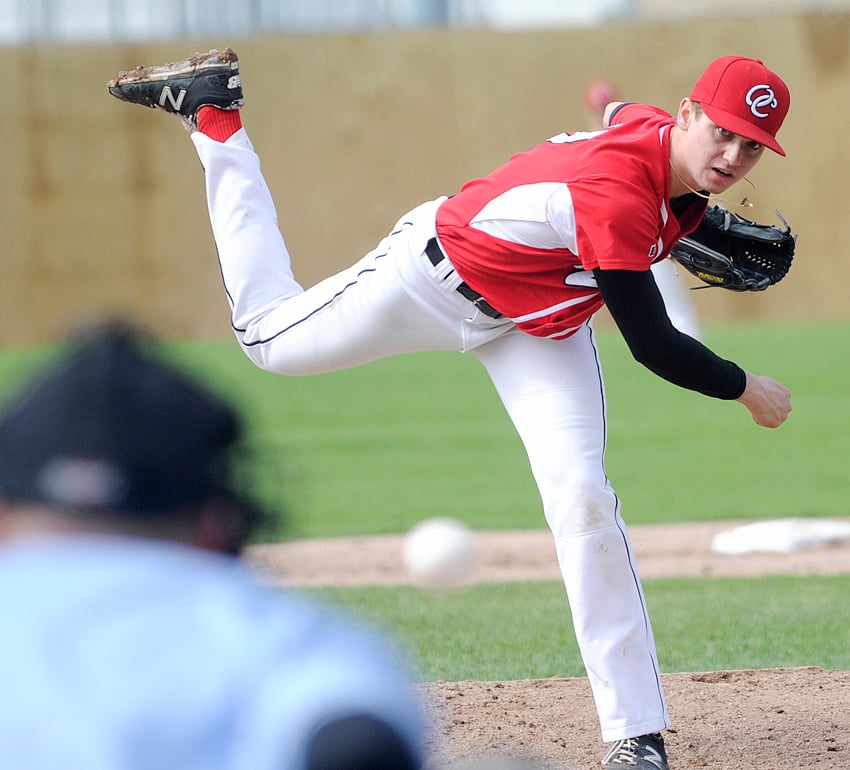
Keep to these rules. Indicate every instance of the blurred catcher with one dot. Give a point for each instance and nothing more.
(132, 638)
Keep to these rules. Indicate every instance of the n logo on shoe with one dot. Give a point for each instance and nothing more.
(654, 757)
(167, 95)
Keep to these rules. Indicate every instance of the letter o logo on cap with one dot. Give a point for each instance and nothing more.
(760, 97)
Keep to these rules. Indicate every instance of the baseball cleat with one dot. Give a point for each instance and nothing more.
(644, 753)
(206, 79)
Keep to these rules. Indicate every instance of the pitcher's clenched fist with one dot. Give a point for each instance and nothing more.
(769, 401)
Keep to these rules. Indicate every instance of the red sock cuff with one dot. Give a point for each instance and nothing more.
(219, 124)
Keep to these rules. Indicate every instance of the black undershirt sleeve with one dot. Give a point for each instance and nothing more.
(636, 305)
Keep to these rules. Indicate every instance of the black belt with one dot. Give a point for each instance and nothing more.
(435, 254)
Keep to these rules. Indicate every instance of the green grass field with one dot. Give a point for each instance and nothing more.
(376, 449)
(505, 631)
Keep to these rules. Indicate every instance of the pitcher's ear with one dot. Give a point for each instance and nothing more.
(686, 114)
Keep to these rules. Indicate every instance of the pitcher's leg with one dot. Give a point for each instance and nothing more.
(245, 227)
(361, 314)
(553, 392)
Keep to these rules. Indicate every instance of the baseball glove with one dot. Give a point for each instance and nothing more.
(734, 253)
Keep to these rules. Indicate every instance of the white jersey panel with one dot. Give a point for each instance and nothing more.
(538, 215)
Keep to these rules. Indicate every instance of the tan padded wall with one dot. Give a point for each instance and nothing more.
(103, 203)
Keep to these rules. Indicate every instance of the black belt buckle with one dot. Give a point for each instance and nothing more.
(435, 256)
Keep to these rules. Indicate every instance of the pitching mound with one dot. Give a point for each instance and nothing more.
(784, 719)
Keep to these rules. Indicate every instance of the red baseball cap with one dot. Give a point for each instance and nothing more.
(744, 97)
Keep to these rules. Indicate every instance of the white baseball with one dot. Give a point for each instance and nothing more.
(439, 554)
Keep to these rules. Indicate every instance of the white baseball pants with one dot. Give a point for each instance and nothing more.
(395, 301)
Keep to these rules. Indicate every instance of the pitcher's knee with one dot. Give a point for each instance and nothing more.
(289, 363)
(259, 356)
(587, 510)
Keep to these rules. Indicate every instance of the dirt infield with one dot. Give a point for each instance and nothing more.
(786, 719)
(783, 719)
(661, 551)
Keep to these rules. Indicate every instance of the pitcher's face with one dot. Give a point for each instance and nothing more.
(709, 157)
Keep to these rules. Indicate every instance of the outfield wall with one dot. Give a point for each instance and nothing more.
(103, 206)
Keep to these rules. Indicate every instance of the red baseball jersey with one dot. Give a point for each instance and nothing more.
(527, 236)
